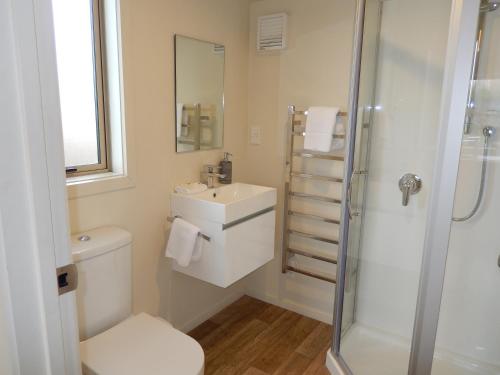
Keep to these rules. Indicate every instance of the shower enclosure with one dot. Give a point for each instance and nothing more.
(419, 266)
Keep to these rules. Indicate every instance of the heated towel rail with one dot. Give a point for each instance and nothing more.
(296, 128)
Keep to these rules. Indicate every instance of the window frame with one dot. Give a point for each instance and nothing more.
(102, 128)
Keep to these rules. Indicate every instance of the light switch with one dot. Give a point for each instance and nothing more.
(255, 135)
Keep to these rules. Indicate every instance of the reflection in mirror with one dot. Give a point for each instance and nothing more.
(199, 94)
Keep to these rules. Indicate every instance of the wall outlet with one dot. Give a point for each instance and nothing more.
(255, 135)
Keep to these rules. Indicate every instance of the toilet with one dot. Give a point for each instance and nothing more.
(112, 340)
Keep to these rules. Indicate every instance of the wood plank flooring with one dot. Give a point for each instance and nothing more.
(251, 337)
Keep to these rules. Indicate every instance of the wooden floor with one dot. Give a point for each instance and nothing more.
(251, 337)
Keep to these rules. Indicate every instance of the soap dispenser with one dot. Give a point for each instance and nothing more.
(226, 169)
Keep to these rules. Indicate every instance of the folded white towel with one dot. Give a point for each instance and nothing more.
(191, 188)
(320, 126)
(184, 245)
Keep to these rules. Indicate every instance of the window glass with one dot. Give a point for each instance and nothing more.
(73, 23)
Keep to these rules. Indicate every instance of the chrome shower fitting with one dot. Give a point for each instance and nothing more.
(488, 131)
(485, 7)
(489, 6)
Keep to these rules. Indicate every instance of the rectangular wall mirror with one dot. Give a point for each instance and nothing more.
(199, 94)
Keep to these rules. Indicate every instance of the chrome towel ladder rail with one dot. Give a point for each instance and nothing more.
(296, 129)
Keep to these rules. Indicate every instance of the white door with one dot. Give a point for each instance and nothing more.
(38, 328)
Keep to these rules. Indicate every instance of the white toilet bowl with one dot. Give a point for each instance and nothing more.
(113, 341)
(142, 345)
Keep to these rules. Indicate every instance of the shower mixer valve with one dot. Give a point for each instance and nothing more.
(409, 184)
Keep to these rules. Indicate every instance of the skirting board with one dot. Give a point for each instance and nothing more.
(288, 304)
(211, 311)
(331, 365)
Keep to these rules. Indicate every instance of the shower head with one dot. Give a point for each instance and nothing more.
(489, 6)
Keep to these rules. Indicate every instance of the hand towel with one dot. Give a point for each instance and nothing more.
(191, 188)
(184, 245)
(320, 126)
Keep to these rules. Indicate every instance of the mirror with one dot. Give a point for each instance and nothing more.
(199, 94)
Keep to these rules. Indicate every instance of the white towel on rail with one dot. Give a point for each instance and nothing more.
(320, 127)
(184, 245)
(191, 188)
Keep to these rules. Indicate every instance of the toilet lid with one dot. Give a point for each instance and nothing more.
(142, 345)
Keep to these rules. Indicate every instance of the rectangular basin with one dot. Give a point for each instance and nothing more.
(226, 203)
(239, 220)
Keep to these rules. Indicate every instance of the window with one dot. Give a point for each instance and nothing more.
(80, 63)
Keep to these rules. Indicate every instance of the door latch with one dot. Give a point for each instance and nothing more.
(67, 278)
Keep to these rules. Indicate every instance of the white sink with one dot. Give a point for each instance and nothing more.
(226, 203)
(239, 220)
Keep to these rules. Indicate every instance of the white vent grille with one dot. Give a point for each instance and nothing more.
(271, 32)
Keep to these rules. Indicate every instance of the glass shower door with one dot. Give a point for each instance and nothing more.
(357, 183)
(398, 121)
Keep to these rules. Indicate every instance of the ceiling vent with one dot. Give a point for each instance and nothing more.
(271, 32)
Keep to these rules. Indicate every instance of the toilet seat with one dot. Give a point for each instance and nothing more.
(142, 345)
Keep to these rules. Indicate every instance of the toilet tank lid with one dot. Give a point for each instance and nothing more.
(98, 241)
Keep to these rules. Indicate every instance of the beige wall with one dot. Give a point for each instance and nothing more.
(314, 70)
(148, 27)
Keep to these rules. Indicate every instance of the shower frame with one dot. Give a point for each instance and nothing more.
(458, 66)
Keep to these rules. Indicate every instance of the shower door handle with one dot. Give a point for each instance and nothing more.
(350, 211)
(409, 184)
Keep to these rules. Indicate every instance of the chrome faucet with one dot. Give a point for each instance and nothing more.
(209, 175)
